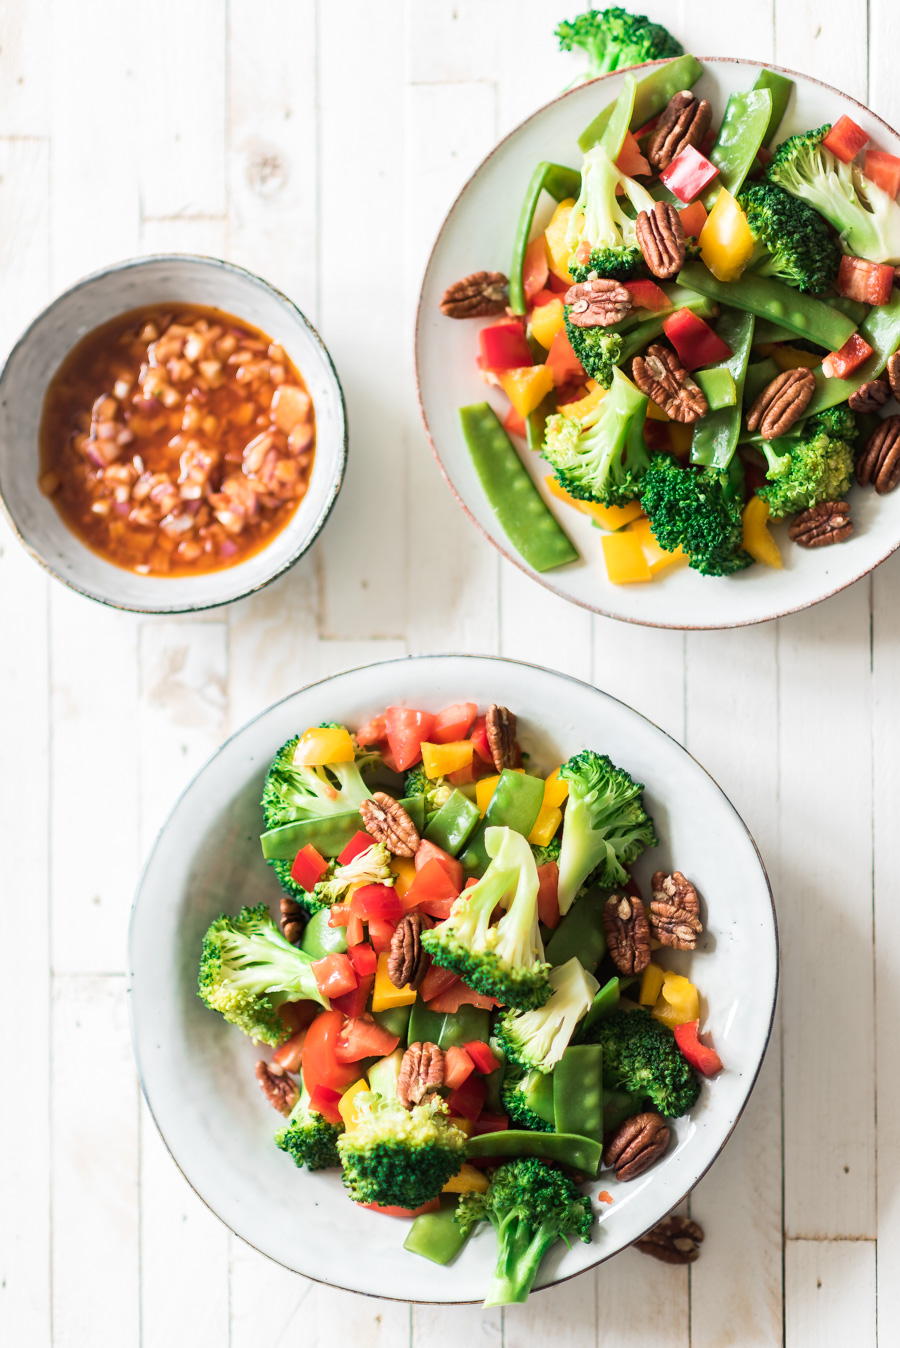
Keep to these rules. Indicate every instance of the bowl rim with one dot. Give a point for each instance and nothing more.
(505, 549)
(400, 660)
(220, 264)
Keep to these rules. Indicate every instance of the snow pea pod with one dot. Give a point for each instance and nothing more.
(605, 1002)
(515, 804)
(716, 435)
(641, 334)
(560, 182)
(758, 375)
(329, 834)
(763, 296)
(579, 1153)
(395, 1019)
(580, 934)
(578, 1091)
(437, 1235)
(446, 1028)
(744, 125)
(614, 132)
(779, 86)
(527, 521)
(650, 97)
(882, 331)
(319, 939)
(453, 824)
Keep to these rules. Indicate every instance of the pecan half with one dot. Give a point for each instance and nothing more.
(597, 302)
(408, 963)
(627, 933)
(500, 727)
(387, 822)
(421, 1071)
(660, 236)
(781, 403)
(636, 1144)
(674, 1240)
(879, 462)
(892, 370)
(674, 911)
(871, 396)
(661, 375)
(684, 122)
(823, 525)
(477, 296)
(293, 920)
(279, 1089)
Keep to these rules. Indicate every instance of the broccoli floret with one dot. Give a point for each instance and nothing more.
(505, 960)
(811, 465)
(602, 456)
(599, 218)
(792, 241)
(294, 792)
(698, 510)
(615, 39)
(248, 969)
(598, 349)
(436, 790)
(865, 216)
(531, 1206)
(517, 1095)
(371, 867)
(606, 827)
(549, 853)
(640, 1054)
(308, 1138)
(619, 264)
(399, 1157)
(536, 1040)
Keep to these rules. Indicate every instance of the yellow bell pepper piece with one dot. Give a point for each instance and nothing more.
(484, 789)
(347, 1103)
(580, 408)
(548, 821)
(384, 994)
(320, 745)
(404, 868)
(555, 234)
(527, 387)
(651, 984)
(657, 557)
(556, 789)
(680, 438)
(608, 517)
(726, 244)
(678, 1002)
(656, 413)
(546, 321)
(625, 560)
(469, 1180)
(789, 358)
(465, 1126)
(439, 759)
(757, 540)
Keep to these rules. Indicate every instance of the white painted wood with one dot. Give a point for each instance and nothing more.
(270, 1306)
(830, 1294)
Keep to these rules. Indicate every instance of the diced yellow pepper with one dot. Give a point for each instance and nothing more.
(468, 1180)
(465, 1126)
(321, 744)
(656, 413)
(580, 408)
(556, 788)
(384, 994)
(757, 540)
(789, 358)
(555, 234)
(680, 438)
(609, 517)
(668, 559)
(439, 759)
(527, 387)
(657, 557)
(651, 984)
(625, 560)
(546, 321)
(404, 868)
(726, 244)
(347, 1103)
(484, 789)
(548, 821)
(678, 1001)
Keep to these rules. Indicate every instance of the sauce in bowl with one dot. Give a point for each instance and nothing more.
(176, 439)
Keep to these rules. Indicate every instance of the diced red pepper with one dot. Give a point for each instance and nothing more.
(373, 732)
(482, 1056)
(463, 776)
(884, 170)
(354, 1003)
(490, 1123)
(845, 139)
(513, 424)
(433, 1205)
(630, 161)
(381, 934)
(431, 885)
(535, 267)
(556, 285)
(340, 915)
(458, 1067)
(363, 1037)
(290, 1055)
(363, 959)
(480, 740)
(583, 253)
(297, 1015)
(701, 1056)
(406, 729)
(468, 1099)
(379, 901)
(694, 340)
(436, 981)
(566, 393)
(453, 723)
(323, 1100)
(320, 1066)
(648, 295)
(840, 364)
(504, 346)
(548, 891)
(544, 297)
(355, 931)
(334, 975)
(309, 867)
(646, 128)
(693, 218)
(870, 282)
(359, 843)
(688, 174)
(657, 437)
(460, 994)
(562, 362)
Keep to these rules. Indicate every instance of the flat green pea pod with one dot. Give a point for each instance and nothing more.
(605, 1002)
(651, 95)
(329, 834)
(764, 297)
(395, 1019)
(579, 1153)
(716, 435)
(560, 182)
(882, 331)
(436, 1235)
(620, 120)
(515, 804)
(743, 129)
(639, 335)
(319, 939)
(756, 378)
(578, 1091)
(447, 1028)
(780, 87)
(527, 521)
(453, 824)
(580, 935)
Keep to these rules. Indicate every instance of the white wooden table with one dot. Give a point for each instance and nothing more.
(320, 144)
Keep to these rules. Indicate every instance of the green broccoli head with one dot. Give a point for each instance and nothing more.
(531, 1206)
(398, 1157)
(436, 790)
(248, 970)
(309, 1139)
(698, 510)
(601, 457)
(537, 1039)
(293, 792)
(792, 240)
(599, 218)
(619, 264)
(606, 827)
(640, 1054)
(614, 39)
(598, 349)
(503, 960)
(549, 853)
(865, 216)
(812, 465)
(519, 1095)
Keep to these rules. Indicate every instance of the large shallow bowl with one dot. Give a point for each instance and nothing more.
(197, 1071)
(478, 233)
(185, 279)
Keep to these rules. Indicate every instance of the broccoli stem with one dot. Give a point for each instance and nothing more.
(521, 1248)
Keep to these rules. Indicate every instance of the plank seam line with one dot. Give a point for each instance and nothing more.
(441, 84)
(832, 1240)
(182, 216)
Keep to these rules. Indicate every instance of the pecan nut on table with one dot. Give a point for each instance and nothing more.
(674, 1240)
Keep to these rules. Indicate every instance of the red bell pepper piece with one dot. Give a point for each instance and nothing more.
(381, 934)
(657, 437)
(379, 901)
(406, 729)
(648, 295)
(480, 740)
(323, 1100)
(688, 174)
(334, 975)
(373, 732)
(694, 340)
(556, 285)
(355, 930)
(535, 267)
(482, 1056)
(363, 1037)
(431, 885)
(453, 723)
(320, 1066)
(468, 1099)
(513, 424)
(693, 218)
(845, 139)
(504, 346)
(297, 1015)
(433, 1205)
(290, 1055)
(436, 981)
(340, 915)
(458, 1067)
(871, 282)
(463, 776)
(359, 843)
(354, 1003)
(562, 362)
(490, 1123)
(630, 161)
(309, 867)
(548, 892)
(701, 1056)
(884, 170)
(840, 364)
(544, 297)
(460, 994)
(363, 959)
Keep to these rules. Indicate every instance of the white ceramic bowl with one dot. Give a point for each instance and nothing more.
(478, 233)
(185, 279)
(197, 1071)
